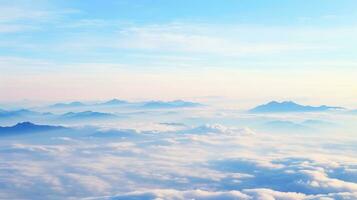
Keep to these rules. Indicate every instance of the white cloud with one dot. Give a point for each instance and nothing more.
(220, 162)
(21, 16)
(216, 40)
(319, 180)
(177, 195)
(248, 194)
(218, 128)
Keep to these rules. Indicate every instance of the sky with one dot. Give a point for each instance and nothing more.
(222, 54)
(247, 50)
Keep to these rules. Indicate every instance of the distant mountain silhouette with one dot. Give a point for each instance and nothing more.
(113, 102)
(289, 106)
(86, 115)
(16, 113)
(21, 113)
(27, 127)
(170, 104)
(67, 105)
(285, 125)
(118, 102)
(318, 123)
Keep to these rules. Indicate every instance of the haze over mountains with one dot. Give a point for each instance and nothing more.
(67, 105)
(117, 110)
(114, 102)
(87, 152)
(86, 115)
(170, 104)
(20, 113)
(273, 106)
(178, 100)
(290, 106)
(143, 104)
(27, 127)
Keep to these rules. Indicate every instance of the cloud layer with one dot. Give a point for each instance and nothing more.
(159, 159)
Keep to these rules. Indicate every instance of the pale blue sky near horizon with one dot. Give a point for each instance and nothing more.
(174, 49)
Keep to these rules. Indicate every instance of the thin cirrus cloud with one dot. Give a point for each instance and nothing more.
(41, 40)
(219, 40)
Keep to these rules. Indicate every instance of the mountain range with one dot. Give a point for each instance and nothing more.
(28, 115)
(68, 105)
(114, 102)
(170, 104)
(22, 113)
(118, 102)
(27, 127)
(86, 115)
(290, 106)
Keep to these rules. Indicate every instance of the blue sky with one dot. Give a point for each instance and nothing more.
(179, 49)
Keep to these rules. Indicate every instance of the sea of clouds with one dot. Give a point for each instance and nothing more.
(199, 153)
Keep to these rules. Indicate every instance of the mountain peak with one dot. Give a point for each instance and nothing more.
(24, 124)
(114, 102)
(86, 115)
(290, 106)
(27, 127)
(171, 104)
(71, 104)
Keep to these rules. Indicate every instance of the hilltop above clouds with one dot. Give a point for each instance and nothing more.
(123, 103)
(176, 154)
(290, 106)
(27, 127)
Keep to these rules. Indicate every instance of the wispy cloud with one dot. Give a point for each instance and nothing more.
(23, 16)
(221, 40)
